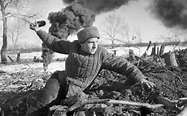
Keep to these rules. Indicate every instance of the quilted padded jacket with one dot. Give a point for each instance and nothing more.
(85, 67)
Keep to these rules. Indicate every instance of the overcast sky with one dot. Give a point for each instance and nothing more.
(136, 15)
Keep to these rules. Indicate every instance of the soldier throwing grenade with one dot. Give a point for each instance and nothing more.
(85, 60)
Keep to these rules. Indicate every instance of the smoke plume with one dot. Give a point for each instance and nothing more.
(79, 13)
(173, 13)
(70, 20)
(99, 6)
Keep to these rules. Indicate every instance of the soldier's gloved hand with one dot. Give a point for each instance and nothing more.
(34, 26)
(147, 85)
(143, 84)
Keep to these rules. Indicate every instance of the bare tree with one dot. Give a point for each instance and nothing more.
(125, 32)
(4, 5)
(173, 37)
(5, 13)
(114, 28)
(15, 31)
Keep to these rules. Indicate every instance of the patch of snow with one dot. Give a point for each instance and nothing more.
(60, 65)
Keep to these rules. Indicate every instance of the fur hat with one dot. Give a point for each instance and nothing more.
(87, 33)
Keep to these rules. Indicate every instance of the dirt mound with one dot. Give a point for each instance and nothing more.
(20, 89)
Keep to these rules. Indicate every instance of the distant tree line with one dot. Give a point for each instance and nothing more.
(143, 44)
(24, 50)
(38, 49)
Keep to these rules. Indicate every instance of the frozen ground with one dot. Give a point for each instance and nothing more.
(27, 57)
(57, 65)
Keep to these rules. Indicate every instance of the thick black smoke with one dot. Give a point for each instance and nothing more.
(79, 13)
(99, 6)
(70, 20)
(173, 13)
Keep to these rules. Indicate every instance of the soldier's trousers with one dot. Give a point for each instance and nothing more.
(54, 91)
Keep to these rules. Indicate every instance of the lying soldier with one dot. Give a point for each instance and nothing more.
(85, 60)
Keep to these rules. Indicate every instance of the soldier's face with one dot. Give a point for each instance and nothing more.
(90, 45)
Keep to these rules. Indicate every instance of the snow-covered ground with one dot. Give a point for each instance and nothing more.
(57, 65)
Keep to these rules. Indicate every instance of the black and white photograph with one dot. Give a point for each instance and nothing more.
(93, 57)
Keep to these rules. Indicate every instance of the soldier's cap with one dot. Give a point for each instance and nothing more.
(87, 33)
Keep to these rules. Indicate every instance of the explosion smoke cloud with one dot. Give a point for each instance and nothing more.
(69, 20)
(99, 6)
(173, 13)
(80, 13)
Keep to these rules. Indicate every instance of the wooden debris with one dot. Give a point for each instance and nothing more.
(151, 106)
(170, 59)
(11, 59)
(162, 47)
(145, 53)
(158, 51)
(153, 52)
(103, 101)
(164, 102)
(18, 57)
